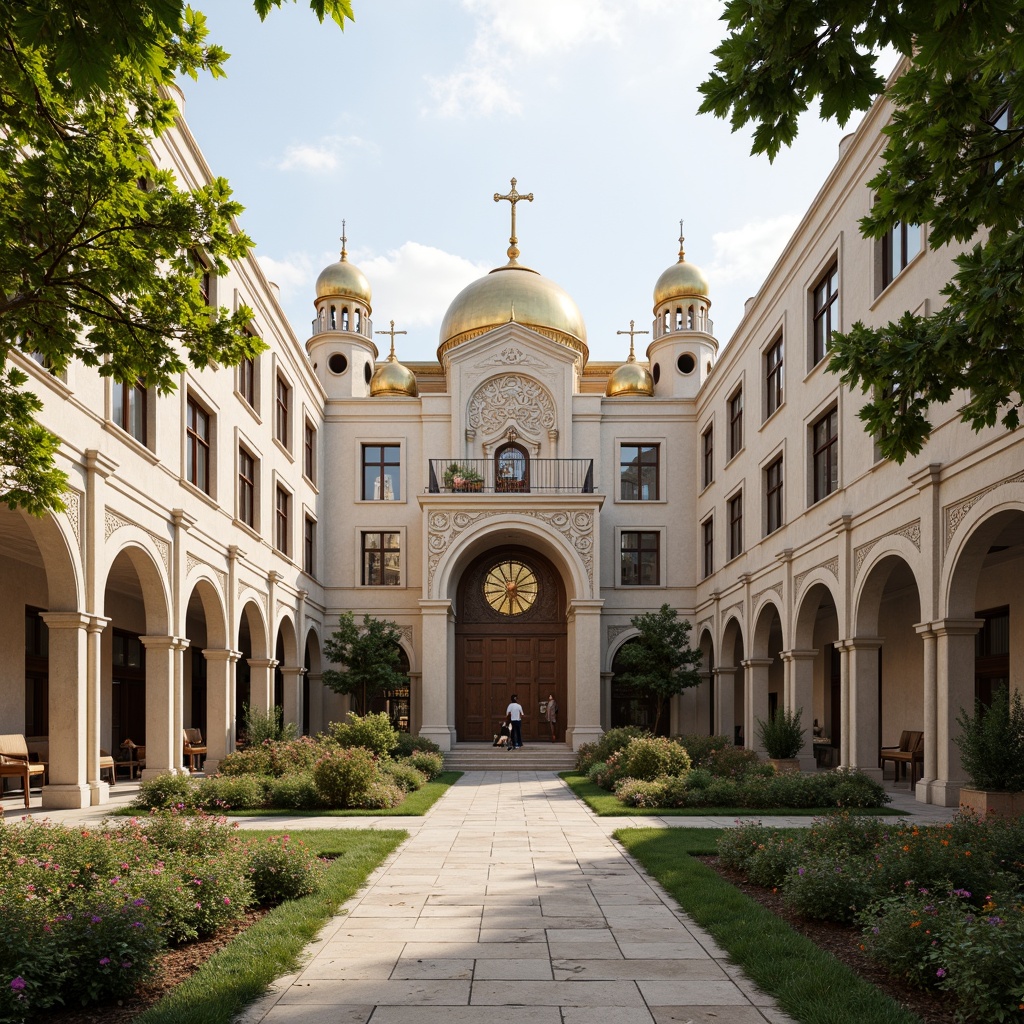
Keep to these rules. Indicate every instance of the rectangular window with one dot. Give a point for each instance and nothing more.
(309, 452)
(773, 376)
(129, 409)
(282, 404)
(707, 450)
(640, 558)
(901, 244)
(284, 501)
(382, 559)
(826, 312)
(382, 465)
(773, 496)
(736, 525)
(707, 530)
(246, 488)
(247, 380)
(638, 472)
(825, 445)
(736, 423)
(309, 546)
(197, 446)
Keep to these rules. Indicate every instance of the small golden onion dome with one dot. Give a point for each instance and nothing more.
(345, 281)
(516, 293)
(631, 378)
(391, 378)
(681, 281)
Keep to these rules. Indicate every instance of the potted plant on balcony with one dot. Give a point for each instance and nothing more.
(458, 477)
(991, 745)
(782, 738)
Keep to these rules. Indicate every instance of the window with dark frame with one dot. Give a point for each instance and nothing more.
(382, 559)
(382, 464)
(1001, 122)
(638, 472)
(826, 312)
(309, 452)
(773, 376)
(900, 245)
(640, 558)
(707, 530)
(707, 447)
(773, 496)
(736, 422)
(246, 488)
(283, 505)
(309, 546)
(129, 409)
(825, 445)
(197, 446)
(736, 525)
(247, 380)
(283, 403)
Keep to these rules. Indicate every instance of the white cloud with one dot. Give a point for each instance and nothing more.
(747, 254)
(477, 90)
(294, 275)
(322, 157)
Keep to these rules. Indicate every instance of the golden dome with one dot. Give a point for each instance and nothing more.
(391, 378)
(344, 280)
(681, 281)
(631, 378)
(514, 293)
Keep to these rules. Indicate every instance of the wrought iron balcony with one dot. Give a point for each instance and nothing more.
(538, 476)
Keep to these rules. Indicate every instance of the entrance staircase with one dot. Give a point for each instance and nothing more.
(531, 757)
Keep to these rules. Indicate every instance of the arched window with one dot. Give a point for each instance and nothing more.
(630, 706)
(668, 320)
(679, 319)
(690, 323)
(359, 321)
(511, 468)
(334, 319)
(344, 318)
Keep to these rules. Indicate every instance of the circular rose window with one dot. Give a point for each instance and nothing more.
(510, 587)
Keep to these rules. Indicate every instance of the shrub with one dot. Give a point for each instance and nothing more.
(683, 791)
(737, 763)
(848, 787)
(700, 748)
(641, 792)
(374, 732)
(722, 793)
(846, 834)
(290, 757)
(165, 791)
(828, 887)
(428, 762)
(737, 845)
(586, 757)
(605, 774)
(648, 757)
(296, 792)
(343, 776)
(258, 725)
(404, 775)
(772, 858)
(280, 869)
(253, 760)
(381, 794)
(610, 743)
(408, 745)
(232, 792)
(781, 735)
(991, 742)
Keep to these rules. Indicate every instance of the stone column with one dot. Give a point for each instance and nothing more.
(261, 683)
(606, 699)
(438, 710)
(863, 730)
(99, 790)
(68, 785)
(725, 701)
(583, 718)
(755, 683)
(800, 697)
(930, 698)
(163, 731)
(954, 689)
(178, 723)
(845, 756)
(220, 712)
(293, 695)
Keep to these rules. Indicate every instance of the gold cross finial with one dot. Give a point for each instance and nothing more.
(682, 254)
(344, 241)
(512, 198)
(631, 332)
(392, 333)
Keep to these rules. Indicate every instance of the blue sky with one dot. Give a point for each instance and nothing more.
(408, 122)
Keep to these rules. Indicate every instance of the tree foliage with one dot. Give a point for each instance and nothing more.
(953, 160)
(659, 660)
(102, 252)
(369, 656)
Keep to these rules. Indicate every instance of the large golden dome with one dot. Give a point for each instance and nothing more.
(344, 280)
(681, 281)
(514, 293)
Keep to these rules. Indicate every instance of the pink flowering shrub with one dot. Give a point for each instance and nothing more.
(343, 776)
(280, 868)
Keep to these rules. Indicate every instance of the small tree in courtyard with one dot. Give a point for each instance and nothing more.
(660, 661)
(369, 656)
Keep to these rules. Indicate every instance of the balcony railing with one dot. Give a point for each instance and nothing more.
(541, 476)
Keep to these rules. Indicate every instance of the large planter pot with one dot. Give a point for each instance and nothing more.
(984, 802)
(785, 764)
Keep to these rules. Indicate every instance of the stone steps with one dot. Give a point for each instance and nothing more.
(531, 757)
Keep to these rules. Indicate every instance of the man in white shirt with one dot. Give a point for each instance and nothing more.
(514, 715)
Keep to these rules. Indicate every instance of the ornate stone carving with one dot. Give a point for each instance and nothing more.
(911, 531)
(444, 528)
(954, 514)
(164, 547)
(732, 608)
(704, 623)
(406, 633)
(774, 587)
(73, 510)
(112, 522)
(832, 564)
(223, 577)
(861, 553)
(511, 355)
(191, 562)
(614, 631)
(511, 398)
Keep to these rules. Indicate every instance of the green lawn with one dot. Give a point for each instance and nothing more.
(809, 984)
(241, 972)
(608, 805)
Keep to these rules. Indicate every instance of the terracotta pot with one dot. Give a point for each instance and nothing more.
(984, 802)
(785, 764)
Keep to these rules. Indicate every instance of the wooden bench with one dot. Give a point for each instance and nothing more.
(909, 753)
(15, 763)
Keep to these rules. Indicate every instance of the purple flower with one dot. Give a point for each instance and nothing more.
(140, 902)
(800, 871)
(95, 919)
(874, 931)
(995, 920)
(941, 972)
(104, 960)
(18, 983)
(126, 964)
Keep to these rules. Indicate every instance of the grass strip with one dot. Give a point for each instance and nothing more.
(808, 983)
(241, 972)
(608, 805)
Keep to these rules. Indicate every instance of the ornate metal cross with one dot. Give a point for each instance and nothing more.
(631, 332)
(392, 334)
(512, 198)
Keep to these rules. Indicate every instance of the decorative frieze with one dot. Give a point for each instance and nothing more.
(831, 564)
(954, 514)
(775, 588)
(512, 398)
(614, 631)
(73, 510)
(112, 522)
(911, 531)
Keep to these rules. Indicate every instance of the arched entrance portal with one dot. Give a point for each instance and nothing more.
(510, 637)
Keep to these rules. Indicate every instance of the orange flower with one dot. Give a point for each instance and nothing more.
(915, 924)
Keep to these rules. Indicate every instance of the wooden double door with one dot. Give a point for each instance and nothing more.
(510, 638)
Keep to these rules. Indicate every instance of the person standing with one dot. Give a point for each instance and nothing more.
(551, 714)
(514, 713)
